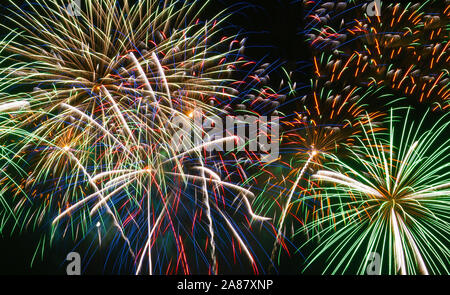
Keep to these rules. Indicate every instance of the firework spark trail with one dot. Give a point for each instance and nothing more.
(148, 244)
(402, 49)
(99, 122)
(287, 205)
(331, 121)
(116, 223)
(330, 116)
(125, 178)
(14, 106)
(210, 222)
(396, 204)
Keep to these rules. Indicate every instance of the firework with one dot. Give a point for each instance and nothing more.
(391, 200)
(361, 65)
(99, 130)
(405, 48)
(329, 124)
